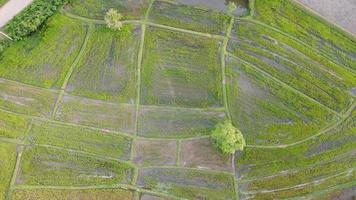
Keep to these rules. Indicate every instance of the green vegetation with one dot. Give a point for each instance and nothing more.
(188, 17)
(228, 138)
(81, 139)
(113, 19)
(47, 166)
(107, 68)
(13, 126)
(128, 114)
(7, 165)
(181, 70)
(94, 194)
(54, 47)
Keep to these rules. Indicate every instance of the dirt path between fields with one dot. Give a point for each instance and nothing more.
(11, 9)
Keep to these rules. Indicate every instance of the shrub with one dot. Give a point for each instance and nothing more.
(112, 19)
(227, 138)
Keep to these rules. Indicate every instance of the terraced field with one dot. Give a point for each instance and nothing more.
(91, 113)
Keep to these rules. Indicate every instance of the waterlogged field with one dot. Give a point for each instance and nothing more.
(91, 113)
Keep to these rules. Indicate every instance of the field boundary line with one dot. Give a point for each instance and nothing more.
(322, 131)
(15, 173)
(139, 64)
(207, 109)
(223, 66)
(266, 74)
(79, 56)
(71, 70)
(138, 85)
(295, 39)
(114, 186)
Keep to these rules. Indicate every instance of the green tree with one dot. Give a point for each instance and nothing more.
(228, 138)
(113, 19)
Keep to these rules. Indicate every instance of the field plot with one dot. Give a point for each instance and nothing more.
(285, 59)
(46, 166)
(96, 9)
(295, 21)
(13, 126)
(189, 184)
(107, 70)
(181, 70)
(26, 99)
(7, 165)
(99, 114)
(155, 152)
(164, 122)
(188, 17)
(324, 162)
(201, 153)
(45, 56)
(90, 194)
(267, 112)
(82, 139)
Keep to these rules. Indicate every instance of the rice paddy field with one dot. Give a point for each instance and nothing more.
(89, 113)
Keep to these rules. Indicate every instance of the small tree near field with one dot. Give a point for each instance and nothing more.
(227, 138)
(112, 19)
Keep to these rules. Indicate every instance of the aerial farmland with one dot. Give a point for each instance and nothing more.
(177, 100)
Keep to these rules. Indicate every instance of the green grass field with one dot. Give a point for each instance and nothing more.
(87, 112)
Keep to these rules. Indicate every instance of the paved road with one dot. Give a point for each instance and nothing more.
(340, 12)
(12, 8)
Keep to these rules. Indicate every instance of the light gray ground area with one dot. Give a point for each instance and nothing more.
(341, 12)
